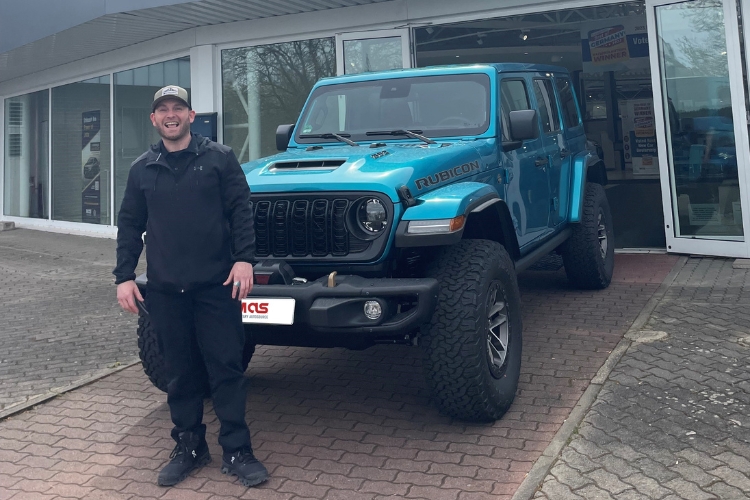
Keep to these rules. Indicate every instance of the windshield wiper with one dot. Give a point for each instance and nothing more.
(330, 135)
(414, 134)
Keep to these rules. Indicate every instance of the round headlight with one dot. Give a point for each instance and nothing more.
(372, 216)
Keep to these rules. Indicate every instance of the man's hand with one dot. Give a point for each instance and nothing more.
(241, 279)
(127, 294)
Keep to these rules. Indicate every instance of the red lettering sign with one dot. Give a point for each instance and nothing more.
(255, 307)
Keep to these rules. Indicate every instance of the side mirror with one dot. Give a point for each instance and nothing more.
(523, 125)
(283, 135)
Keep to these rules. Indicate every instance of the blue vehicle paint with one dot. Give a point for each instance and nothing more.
(578, 181)
(541, 182)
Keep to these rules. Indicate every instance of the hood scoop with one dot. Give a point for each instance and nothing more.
(307, 165)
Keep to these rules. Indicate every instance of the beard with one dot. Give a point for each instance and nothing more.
(174, 134)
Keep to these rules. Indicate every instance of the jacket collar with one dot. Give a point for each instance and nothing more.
(192, 146)
(157, 152)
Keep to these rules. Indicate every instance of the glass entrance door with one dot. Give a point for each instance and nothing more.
(372, 51)
(702, 128)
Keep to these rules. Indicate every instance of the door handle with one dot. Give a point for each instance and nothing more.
(564, 152)
(541, 162)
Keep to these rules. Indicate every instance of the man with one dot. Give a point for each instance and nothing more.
(190, 196)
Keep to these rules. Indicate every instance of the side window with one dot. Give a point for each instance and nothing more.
(513, 97)
(568, 103)
(545, 99)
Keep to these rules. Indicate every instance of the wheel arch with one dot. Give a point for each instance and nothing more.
(480, 224)
(596, 171)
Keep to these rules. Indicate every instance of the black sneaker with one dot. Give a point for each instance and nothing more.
(190, 453)
(245, 466)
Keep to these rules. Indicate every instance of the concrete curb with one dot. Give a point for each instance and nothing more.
(544, 463)
(56, 391)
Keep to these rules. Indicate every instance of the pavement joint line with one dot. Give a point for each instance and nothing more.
(549, 456)
(57, 391)
(56, 256)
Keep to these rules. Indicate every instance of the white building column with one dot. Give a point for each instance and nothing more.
(205, 79)
(253, 107)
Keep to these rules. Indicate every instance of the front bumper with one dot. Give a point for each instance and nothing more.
(328, 316)
(321, 309)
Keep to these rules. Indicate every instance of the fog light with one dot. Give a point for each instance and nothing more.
(373, 309)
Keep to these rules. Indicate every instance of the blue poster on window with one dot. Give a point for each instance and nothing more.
(619, 44)
(90, 152)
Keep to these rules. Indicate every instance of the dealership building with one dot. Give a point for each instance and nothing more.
(660, 83)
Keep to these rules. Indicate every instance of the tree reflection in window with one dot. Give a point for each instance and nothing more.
(266, 86)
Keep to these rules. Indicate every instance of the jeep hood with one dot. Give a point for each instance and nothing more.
(383, 169)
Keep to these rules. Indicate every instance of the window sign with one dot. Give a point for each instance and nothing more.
(619, 44)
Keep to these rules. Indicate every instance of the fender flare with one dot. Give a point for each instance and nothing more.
(585, 167)
(443, 203)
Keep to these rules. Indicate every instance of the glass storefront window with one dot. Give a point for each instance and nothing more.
(133, 93)
(81, 172)
(611, 81)
(26, 155)
(372, 54)
(698, 115)
(266, 86)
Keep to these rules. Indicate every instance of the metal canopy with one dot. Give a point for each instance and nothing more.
(114, 31)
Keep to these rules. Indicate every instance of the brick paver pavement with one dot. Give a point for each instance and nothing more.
(59, 320)
(332, 423)
(672, 420)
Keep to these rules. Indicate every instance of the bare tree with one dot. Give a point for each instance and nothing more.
(703, 55)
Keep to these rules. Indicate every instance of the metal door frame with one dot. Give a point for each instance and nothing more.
(691, 245)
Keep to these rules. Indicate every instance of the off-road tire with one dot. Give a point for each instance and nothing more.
(152, 360)
(464, 382)
(587, 264)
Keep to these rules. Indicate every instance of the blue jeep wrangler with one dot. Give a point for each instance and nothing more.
(401, 209)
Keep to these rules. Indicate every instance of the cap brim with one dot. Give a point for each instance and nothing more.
(164, 98)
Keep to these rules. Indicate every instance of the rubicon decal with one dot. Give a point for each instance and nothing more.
(446, 175)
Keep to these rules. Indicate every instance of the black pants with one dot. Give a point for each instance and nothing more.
(203, 325)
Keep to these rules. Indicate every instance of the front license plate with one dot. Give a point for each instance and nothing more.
(268, 311)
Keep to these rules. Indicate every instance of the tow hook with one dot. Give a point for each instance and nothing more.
(332, 280)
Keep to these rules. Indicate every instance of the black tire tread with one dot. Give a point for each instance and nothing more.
(150, 353)
(454, 355)
(584, 265)
(152, 360)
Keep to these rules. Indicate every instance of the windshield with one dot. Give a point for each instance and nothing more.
(434, 106)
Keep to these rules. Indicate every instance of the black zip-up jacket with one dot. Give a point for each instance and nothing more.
(198, 224)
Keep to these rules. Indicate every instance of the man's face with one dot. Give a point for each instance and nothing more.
(172, 119)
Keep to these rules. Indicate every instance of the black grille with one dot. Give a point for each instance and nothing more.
(308, 226)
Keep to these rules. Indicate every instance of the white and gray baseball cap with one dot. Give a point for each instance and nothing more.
(170, 92)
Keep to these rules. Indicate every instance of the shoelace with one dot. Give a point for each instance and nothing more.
(244, 456)
(180, 449)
